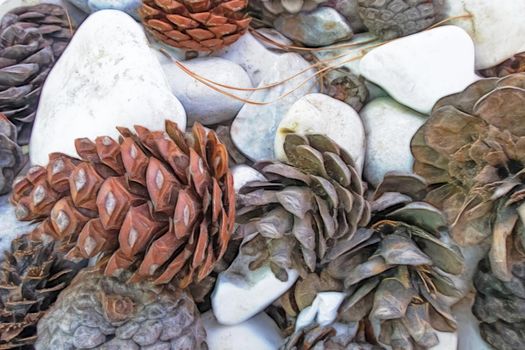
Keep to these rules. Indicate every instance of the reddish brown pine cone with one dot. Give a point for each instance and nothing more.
(196, 25)
(161, 204)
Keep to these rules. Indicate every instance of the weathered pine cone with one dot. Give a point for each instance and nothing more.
(397, 271)
(107, 313)
(31, 277)
(160, 203)
(335, 337)
(515, 64)
(12, 159)
(500, 306)
(302, 217)
(196, 25)
(390, 19)
(31, 40)
(343, 85)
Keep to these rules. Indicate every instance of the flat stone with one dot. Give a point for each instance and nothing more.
(447, 341)
(106, 77)
(320, 27)
(241, 293)
(323, 311)
(253, 130)
(258, 333)
(419, 69)
(389, 128)
(322, 114)
(89, 6)
(495, 27)
(201, 102)
(242, 174)
(349, 9)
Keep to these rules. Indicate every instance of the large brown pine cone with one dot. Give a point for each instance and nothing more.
(31, 277)
(12, 159)
(390, 19)
(31, 40)
(309, 209)
(196, 25)
(160, 203)
(107, 313)
(398, 271)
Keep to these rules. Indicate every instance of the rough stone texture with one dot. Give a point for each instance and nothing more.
(253, 130)
(202, 103)
(389, 129)
(322, 114)
(419, 69)
(106, 77)
(321, 27)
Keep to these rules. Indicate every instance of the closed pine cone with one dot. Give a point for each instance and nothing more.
(32, 275)
(195, 25)
(12, 159)
(106, 313)
(159, 203)
(31, 40)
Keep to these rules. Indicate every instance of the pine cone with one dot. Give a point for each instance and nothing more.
(308, 208)
(12, 159)
(196, 25)
(341, 84)
(390, 19)
(337, 337)
(31, 40)
(160, 203)
(106, 313)
(500, 306)
(515, 64)
(31, 277)
(397, 272)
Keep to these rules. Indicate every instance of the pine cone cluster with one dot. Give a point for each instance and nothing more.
(31, 40)
(106, 313)
(31, 277)
(343, 85)
(196, 25)
(308, 209)
(12, 159)
(390, 19)
(160, 204)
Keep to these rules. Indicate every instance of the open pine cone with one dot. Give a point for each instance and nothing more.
(397, 272)
(302, 217)
(12, 159)
(31, 40)
(196, 25)
(390, 19)
(160, 203)
(107, 313)
(32, 275)
(515, 64)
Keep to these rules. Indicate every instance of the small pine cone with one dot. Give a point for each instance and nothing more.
(31, 40)
(342, 85)
(12, 159)
(31, 277)
(196, 25)
(298, 218)
(159, 203)
(515, 64)
(390, 19)
(108, 313)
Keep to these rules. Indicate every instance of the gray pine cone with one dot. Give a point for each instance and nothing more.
(106, 313)
(12, 159)
(390, 19)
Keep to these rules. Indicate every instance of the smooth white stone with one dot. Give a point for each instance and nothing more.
(323, 310)
(389, 129)
(468, 326)
(253, 56)
(419, 69)
(322, 114)
(496, 27)
(10, 227)
(241, 293)
(201, 102)
(106, 77)
(75, 14)
(129, 6)
(253, 130)
(242, 174)
(258, 333)
(447, 341)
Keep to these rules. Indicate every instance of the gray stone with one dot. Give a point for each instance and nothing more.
(349, 9)
(90, 6)
(321, 27)
(254, 128)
